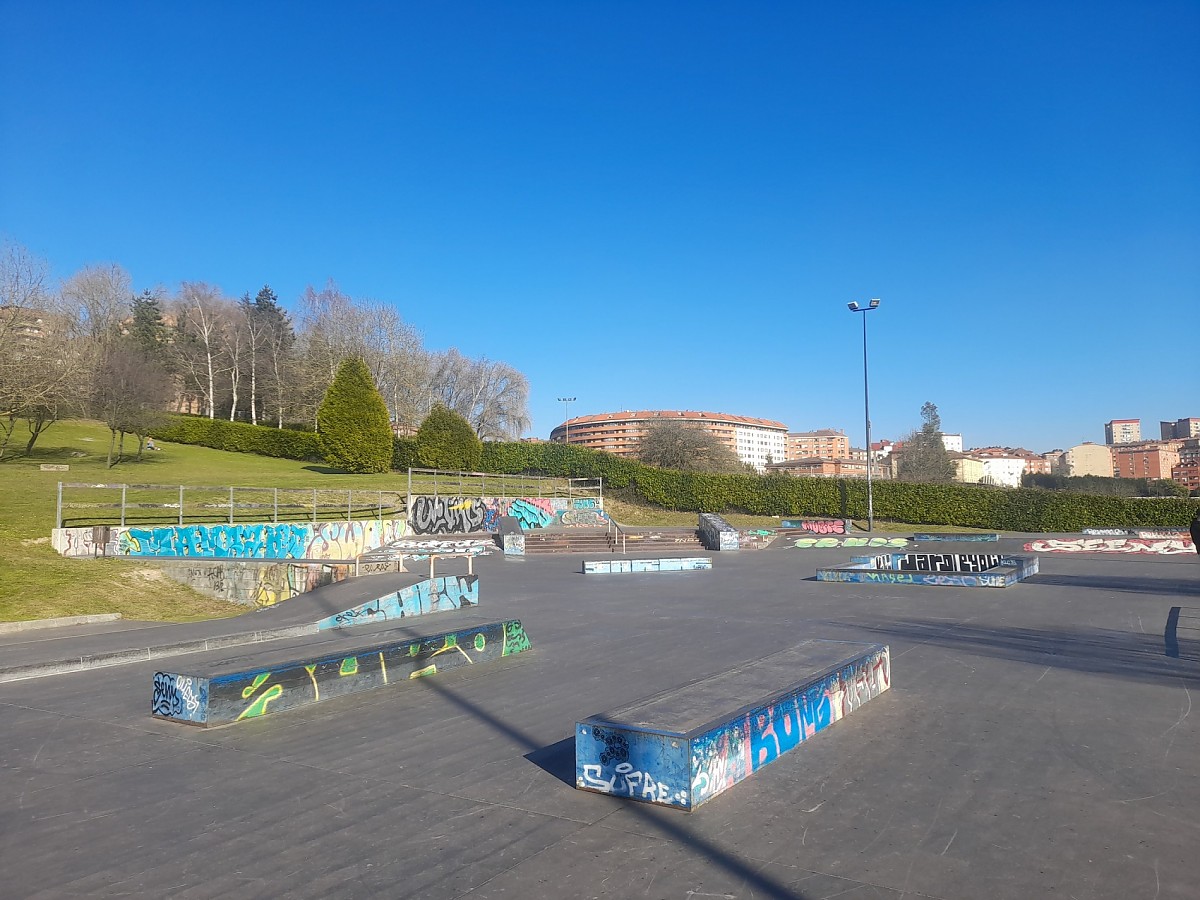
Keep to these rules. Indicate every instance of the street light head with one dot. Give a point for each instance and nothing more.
(874, 304)
(853, 306)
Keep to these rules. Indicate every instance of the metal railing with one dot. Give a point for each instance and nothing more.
(614, 533)
(441, 483)
(179, 504)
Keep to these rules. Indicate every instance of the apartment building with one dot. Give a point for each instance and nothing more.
(1146, 459)
(826, 443)
(1086, 459)
(1122, 431)
(818, 467)
(1180, 429)
(1187, 472)
(755, 441)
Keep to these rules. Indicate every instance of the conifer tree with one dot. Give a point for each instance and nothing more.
(353, 428)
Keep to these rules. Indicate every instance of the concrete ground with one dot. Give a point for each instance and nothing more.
(1037, 742)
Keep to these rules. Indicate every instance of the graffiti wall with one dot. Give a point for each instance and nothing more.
(684, 771)
(291, 540)
(716, 533)
(1112, 545)
(818, 526)
(463, 515)
(620, 566)
(217, 700)
(440, 594)
(254, 583)
(941, 569)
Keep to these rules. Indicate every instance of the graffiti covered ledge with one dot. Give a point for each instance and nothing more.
(682, 747)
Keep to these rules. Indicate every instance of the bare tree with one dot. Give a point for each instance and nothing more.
(100, 295)
(492, 396)
(131, 391)
(199, 351)
(686, 446)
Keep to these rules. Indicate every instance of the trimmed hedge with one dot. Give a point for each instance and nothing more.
(239, 437)
(961, 505)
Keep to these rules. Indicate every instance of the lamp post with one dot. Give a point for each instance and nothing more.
(566, 401)
(855, 307)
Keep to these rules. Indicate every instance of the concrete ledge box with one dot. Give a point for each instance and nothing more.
(682, 747)
(243, 689)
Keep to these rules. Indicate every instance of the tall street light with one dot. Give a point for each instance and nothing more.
(854, 307)
(566, 401)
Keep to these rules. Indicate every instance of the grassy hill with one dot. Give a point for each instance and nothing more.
(36, 583)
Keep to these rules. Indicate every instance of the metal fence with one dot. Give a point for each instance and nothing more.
(178, 504)
(437, 483)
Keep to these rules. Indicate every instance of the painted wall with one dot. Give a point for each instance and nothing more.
(671, 770)
(1112, 545)
(463, 515)
(818, 526)
(200, 700)
(441, 594)
(716, 533)
(253, 583)
(291, 540)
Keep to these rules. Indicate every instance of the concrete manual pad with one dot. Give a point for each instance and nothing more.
(1036, 743)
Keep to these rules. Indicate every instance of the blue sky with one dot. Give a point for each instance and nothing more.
(658, 205)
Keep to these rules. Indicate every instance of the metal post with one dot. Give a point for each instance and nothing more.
(123, 505)
(276, 518)
(314, 506)
(381, 506)
(867, 409)
(231, 504)
(349, 505)
(854, 307)
(181, 504)
(58, 508)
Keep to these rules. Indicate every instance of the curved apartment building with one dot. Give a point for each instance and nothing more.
(755, 441)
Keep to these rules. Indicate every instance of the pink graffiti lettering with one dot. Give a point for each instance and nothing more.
(1113, 545)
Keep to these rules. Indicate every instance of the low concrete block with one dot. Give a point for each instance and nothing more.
(956, 537)
(626, 566)
(717, 534)
(942, 569)
(682, 747)
(226, 695)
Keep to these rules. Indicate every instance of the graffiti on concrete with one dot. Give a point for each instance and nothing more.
(464, 515)
(817, 526)
(672, 770)
(1111, 545)
(829, 542)
(717, 534)
(441, 594)
(947, 562)
(250, 694)
(253, 583)
(313, 541)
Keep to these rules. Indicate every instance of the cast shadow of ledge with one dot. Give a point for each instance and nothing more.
(1124, 654)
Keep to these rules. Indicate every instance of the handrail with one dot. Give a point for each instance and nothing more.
(613, 525)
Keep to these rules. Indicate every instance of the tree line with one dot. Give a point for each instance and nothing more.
(92, 346)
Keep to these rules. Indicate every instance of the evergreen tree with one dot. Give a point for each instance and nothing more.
(446, 440)
(353, 428)
(147, 328)
(925, 457)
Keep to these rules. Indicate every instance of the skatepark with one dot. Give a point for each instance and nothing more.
(1034, 741)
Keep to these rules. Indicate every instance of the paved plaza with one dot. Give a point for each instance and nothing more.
(1037, 741)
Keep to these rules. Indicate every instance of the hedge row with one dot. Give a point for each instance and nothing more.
(239, 437)
(955, 505)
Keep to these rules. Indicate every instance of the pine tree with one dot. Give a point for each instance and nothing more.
(353, 428)
(925, 457)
